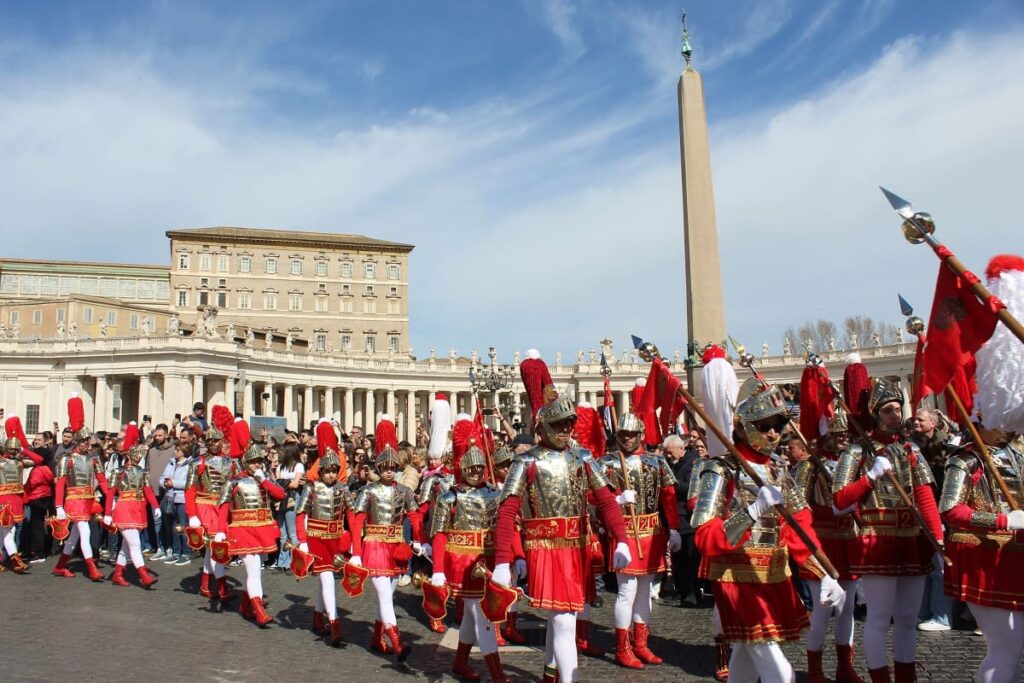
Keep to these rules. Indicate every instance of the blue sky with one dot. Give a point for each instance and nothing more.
(529, 149)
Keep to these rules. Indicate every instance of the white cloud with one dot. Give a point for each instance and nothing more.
(559, 16)
(760, 24)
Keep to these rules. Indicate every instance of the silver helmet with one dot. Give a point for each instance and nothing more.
(884, 391)
(330, 459)
(756, 408)
(562, 408)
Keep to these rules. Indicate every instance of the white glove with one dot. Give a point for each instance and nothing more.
(355, 561)
(627, 497)
(622, 556)
(845, 511)
(219, 536)
(519, 567)
(194, 522)
(880, 467)
(438, 579)
(421, 548)
(108, 520)
(259, 475)
(1015, 520)
(675, 541)
(157, 514)
(767, 498)
(831, 592)
(502, 575)
(61, 514)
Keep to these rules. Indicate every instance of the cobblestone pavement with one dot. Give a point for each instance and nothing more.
(72, 629)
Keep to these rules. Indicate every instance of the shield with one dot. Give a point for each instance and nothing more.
(196, 537)
(497, 601)
(352, 579)
(59, 528)
(435, 600)
(6, 516)
(219, 552)
(301, 563)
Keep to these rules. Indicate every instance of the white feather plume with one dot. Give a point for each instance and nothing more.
(1000, 373)
(719, 388)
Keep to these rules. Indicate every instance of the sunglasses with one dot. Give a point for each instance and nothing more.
(765, 426)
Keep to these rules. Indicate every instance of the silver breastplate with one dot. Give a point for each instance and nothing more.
(434, 486)
(559, 485)
(765, 530)
(475, 509)
(132, 478)
(81, 470)
(645, 477)
(216, 474)
(385, 504)
(10, 471)
(248, 494)
(322, 502)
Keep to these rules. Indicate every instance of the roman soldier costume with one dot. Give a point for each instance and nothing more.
(78, 475)
(323, 519)
(501, 461)
(431, 488)
(462, 536)
(892, 554)
(131, 488)
(378, 544)
(647, 492)
(12, 506)
(208, 475)
(244, 510)
(550, 486)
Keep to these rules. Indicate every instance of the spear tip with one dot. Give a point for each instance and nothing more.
(905, 307)
(898, 203)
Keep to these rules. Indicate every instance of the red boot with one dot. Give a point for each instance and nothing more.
(117, 578)
(62, 567)
(499, 638)
(333, 636)
(18, 566)
(815, 674)
(880, 675)
(640, 634)
(845, 672)
(460, 609)
(460, 667)
(550, 674)
(437, 626)
(905, 672)
(92, 571)
(583, 643)
(204, 586)
(377, 641)
(145, 578)
(494, 667)
(318, 622)
(512, 633)
(624, 651)
(722, 654)
(259, 614)
(402, 652)
(223, 592)
(245, 607)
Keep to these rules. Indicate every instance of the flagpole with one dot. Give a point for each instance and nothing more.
(606, 370)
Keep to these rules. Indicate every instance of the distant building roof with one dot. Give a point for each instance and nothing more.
(98, 300)
(23, 264)
(286, 237)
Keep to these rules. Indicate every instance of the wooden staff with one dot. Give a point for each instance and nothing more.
(986, 457)
(630, 508)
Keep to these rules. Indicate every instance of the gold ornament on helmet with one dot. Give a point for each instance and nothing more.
(387, 458)
(330, 459)
(214, 434)
(253, 454)
(884, 391)
(12, 445)
(757, 407)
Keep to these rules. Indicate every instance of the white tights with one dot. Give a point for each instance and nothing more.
(211, 567)
(475, 628)
(385, 589)
(633, 603)
(130, 537)
(1004, 633)
(842, 610)
(897, 598)
(253, 575)
(560, 648)
(325, 600)
(79, 530)
(751, 661)
(9, 545)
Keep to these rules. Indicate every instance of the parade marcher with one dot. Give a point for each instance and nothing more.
(747, 543)
(12, 492)
(462, 535)
(208, 475)
(78, 475)
(892, 554)
(501, 461)
(323, 519)
(648, 496)
(378, 544)
(244, 510)
(437, 484)
(131, 490)
(549, 486)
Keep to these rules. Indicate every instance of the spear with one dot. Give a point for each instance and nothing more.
(915, 326)
(919, 227)
(649, 352)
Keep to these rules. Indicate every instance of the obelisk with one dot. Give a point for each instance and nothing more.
(705, 307)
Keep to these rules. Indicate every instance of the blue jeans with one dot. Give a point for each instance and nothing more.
(286, 524)
(179, 544)
(935, 604)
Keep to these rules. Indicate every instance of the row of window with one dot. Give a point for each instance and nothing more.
(88, 317)
(369, 342)
(64, 285)
(270, 266)
(321, 304)
(321, 287)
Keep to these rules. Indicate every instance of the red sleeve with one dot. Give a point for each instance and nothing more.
(358, 520)
(108, 501)
(610, 514)
(505, 530)
(518, 552)
(272, 489)
(925, 499)
(191, 509)
(669, 507)
(440, 547)
(690, 504)
(36, 459)
(959, 517)
(101, 479)
(710, 538)
(300, 527)
(424, 509)
(798, 550)
(150, 497)
(222, 513)
(852, 493)
(59, 498)
(416, 521)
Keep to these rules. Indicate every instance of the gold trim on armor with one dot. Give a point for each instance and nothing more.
(755, 564)
(1007, 540)
(260, 517)
(890, 522)
(130, 495)
(11, 489)
(79, 493)
(319, 528)
(383, 533)
(208, 498)
(643, 526)
(470, 541)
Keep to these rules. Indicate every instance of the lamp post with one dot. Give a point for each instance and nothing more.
(492, 378)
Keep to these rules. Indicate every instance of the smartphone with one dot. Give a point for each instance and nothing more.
(488, 411)
(177, 416)
(147, 418)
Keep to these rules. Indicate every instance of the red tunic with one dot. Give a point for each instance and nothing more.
(130, 512)
(325, 539)
(12, 495)
(251, 532)
(382, 547)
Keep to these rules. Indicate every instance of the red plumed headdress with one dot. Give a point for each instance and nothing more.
(465, 434)
(76, 412)
(12, 426)
(815, 401)
(589, 430)
(652, 435)
(857, 389)
(540, 388)
(239, 437)
(222, 419)
(711, 352)
(386, 434)
(131, 434)
(326, 437)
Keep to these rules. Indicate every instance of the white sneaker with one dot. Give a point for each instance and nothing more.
(158, 555)
(404, 580)
(932, 625)
(171, 558)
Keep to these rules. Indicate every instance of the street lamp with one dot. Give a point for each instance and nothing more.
(493, 378)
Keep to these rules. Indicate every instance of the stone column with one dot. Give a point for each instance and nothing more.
(247, 403)
(102, 416)
(229, 393)
(329, 403)
(369, 413)
(309, 411)
(453, 401)
(410, 416)
(349, 397)
(517, 406)
(621, 402)
(288, 409)
(198, 391)
(145, 407)
(389, 402)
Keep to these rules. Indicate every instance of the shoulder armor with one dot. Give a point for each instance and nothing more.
(666, 477)
(596, 477)
(302, 502)
(515, 482)
(407, 496)
(441, 515)
(694, 485)
(956, 484)
(922, 472)
(848, 467)
(225, 494)
(192, 478)
(62, 466)
(362, 502)
(805, 475)
(711, 488)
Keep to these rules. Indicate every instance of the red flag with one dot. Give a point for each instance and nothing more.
(609, 401)
(661, 392)
(815, 401)
(958, 326)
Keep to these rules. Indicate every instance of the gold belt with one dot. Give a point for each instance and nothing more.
(130, 495)
(384, 533)
(645, 525)
(1010, 540)
(470, 541)
(11, 489)
(257, 517)
(324, 528)
(752, 564)
(552, 533)
(890, 522)
(79, 493)
(208, 498)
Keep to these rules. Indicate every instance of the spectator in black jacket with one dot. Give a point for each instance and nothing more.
(683, 456)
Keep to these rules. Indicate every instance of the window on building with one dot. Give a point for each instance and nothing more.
(48, 285)
(9, 284)
(346, 269)
(370, 343)
(322, 304)
(61, 315)
(204, 262)
(393, 343)
(394, 307)
(222, 299)
(370, 271)
(108, 287)
(204, 282)
(271, 266)
(394, 272)
(345, 289)
(128, 287)
(369, 305)
(245, 264)
(204, 298)
(37, 316)
(393, 291)
(14, 317)
(369, 290)
(147, 289)
(32, 418)
(222, 263)
(86, 314)
(244, 300)
(133, 321)
(346, 342)
(183, 260)
(321, 286)
(182, 298)
(112, 318)
(222, 282)
(270, 301)
(296, 267)
(346, 304)
(294, 302)
(320, 341)
(321, 268)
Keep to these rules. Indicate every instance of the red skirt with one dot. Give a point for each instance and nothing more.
(15, 509)
(382, 558)
(652, 539)
(837, 535)
(252, 532)
(987, 568)
(323, 551)
(890, 544)
(760, 612)
(208, 518)
(78, 502)
(458, 569)
(130, 514)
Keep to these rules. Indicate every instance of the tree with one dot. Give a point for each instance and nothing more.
(858, 331)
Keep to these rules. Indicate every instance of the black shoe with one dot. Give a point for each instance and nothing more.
(597, 602)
